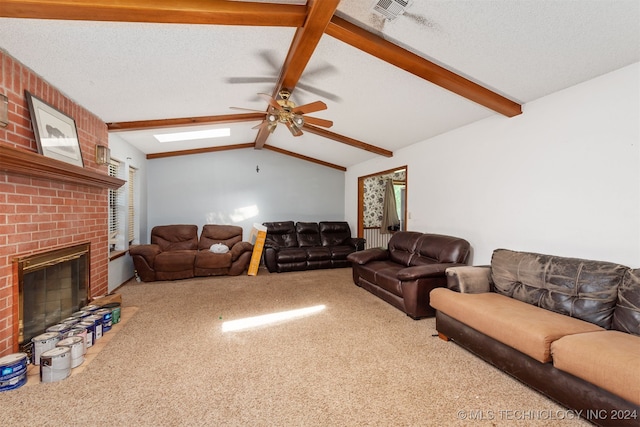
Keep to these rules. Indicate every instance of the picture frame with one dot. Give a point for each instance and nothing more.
(55, 132)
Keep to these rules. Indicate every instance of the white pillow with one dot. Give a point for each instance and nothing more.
(219, 248)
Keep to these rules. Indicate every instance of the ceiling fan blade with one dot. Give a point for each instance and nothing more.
(310, 108)
(319, 92)
(295, 130)
(318, 122)
(248, 109)
(271, 101)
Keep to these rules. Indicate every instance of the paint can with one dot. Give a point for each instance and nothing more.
(76, 345)
(60, 328)
(90, 308)
(55, 364)
(80, 314)
(78, 331)
(42, 343)
(70, 321)
(115, 311)
(13, 383)
(97, 324)
(12, 368)
(90, 327)
(106, 315)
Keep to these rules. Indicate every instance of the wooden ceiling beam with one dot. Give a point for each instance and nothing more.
(216, 12)
(186, 121)
(346, 140)
(307, 37)
(408, 61)
(199, 151)
(301, 157)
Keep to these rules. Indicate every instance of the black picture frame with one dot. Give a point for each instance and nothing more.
(55, 132)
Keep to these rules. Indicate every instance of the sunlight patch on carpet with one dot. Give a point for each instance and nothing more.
(268, 319)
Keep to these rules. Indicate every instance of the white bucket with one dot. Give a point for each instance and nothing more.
(42, 343)
(76, 345)
(55, 364)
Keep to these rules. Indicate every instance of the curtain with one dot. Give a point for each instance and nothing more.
(389, 210)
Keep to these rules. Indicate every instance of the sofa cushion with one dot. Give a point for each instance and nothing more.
(527, 328)
(175, 237)
(334, 233)
(289, 255)
(209, 260)
(318, 253)
(281, 234)
(436, 248)
(175, 261)
(402, 246)
(608, 359)
(626, 316)
(227, 235)
(578, 288)
(308, 234)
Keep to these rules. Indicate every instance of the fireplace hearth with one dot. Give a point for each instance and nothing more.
(51, 286)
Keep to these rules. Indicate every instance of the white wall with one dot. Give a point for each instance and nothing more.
(563, 178)
(225, 188)
(121, 269)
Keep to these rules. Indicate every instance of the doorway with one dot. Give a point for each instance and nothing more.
(371, 197)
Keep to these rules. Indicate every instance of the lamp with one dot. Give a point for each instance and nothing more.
(103, 155)
(4, 111)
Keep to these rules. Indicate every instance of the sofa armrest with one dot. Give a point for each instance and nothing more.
(148, 252)
(240, 248)
(424, 271)
(469, 279)
(368, 255)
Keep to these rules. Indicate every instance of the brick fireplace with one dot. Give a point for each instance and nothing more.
(46, 204)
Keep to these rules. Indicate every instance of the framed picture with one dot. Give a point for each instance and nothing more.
(56, 133)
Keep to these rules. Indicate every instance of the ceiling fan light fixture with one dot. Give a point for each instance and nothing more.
(298, 120)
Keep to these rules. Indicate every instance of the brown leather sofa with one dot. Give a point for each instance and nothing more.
(176, 252)
(413, 265)
(567, 327)
(308, 245)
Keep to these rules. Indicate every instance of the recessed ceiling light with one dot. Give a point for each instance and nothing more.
(197, 134)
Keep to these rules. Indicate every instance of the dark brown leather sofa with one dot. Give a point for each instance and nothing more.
(176, 252)
(413, 265)
(308, 245)
(567, 327)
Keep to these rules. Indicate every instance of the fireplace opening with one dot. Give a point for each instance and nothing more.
(51, 286)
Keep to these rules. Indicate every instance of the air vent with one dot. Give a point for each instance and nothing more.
(390, 9)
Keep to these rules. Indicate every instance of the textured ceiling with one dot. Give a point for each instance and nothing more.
(522, 50)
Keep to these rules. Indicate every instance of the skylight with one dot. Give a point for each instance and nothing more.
(197, 134)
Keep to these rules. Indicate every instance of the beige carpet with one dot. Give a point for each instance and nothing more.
(359, 362)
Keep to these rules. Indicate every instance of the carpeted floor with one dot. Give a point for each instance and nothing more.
(358, 362)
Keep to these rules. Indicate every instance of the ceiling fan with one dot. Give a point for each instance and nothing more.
(293, 116)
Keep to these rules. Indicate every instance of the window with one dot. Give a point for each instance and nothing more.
(122, 212)
(131, 216)
(114, 223)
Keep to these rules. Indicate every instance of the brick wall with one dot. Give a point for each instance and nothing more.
(38, 214)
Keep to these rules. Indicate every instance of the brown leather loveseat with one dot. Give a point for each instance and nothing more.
(413, 265)
(176, 252)
(567, 327)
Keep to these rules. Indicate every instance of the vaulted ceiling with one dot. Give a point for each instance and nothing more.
(151, 66)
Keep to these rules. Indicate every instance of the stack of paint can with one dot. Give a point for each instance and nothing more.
(13, 371)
